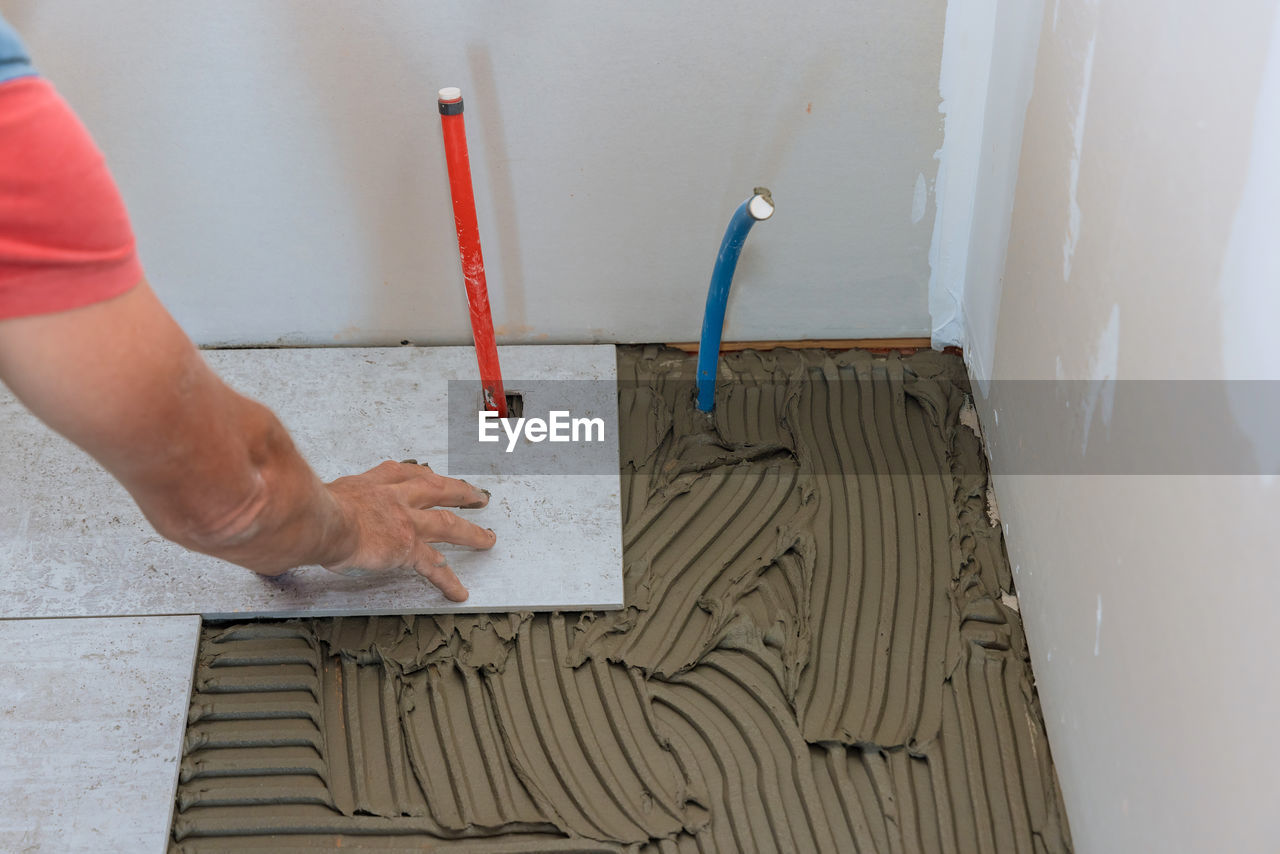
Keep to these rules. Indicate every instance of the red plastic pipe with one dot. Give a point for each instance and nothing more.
(464, 217)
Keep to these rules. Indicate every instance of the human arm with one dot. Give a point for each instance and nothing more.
(87, 346)
(212, 469)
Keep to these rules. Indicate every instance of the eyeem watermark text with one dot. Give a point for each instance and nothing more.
(553, 427)
(558, 426)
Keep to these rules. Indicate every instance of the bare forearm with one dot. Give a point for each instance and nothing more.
(263, 508)
(385, 518)
(267, 512)
(213, 470)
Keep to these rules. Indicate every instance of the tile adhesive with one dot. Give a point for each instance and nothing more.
(817, 654)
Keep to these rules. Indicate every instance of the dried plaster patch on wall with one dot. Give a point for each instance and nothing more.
(1104, 365)
(1072, 236)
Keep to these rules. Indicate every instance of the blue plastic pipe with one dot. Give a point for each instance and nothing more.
(758, 207)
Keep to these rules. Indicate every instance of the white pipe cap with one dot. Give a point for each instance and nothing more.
(760, 207)
(450, 93)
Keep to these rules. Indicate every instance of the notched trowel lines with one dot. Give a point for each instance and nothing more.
(814, 656)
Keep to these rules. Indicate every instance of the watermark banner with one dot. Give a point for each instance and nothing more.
(871, 424)
(1138, 427)
(566, 427)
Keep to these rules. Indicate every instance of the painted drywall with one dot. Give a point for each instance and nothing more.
(962, 85)
(283, 165)
(988, 59)
(1015, 37)
(1142, 247)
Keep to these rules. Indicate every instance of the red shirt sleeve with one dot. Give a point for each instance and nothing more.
(65, 239)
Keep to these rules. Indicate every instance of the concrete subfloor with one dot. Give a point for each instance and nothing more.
(821, 651)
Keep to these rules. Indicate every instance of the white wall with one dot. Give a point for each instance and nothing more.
(283, 166)
(1143, 245)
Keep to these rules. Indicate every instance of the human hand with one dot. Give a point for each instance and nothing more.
(392, 513)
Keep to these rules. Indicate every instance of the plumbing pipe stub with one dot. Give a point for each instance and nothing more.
(761, 205)
(450, 101)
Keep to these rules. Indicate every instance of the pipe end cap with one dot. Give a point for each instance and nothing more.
(761, 204)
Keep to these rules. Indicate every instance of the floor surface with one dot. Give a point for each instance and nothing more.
(92, 715)
(820, 651)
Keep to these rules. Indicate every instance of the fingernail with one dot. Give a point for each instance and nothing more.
(475, 505)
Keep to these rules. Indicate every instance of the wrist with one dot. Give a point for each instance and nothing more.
(338, 531)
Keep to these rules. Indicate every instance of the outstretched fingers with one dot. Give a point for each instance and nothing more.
(424, 488)
(441, 526)
(431, 565)
(395, 516)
